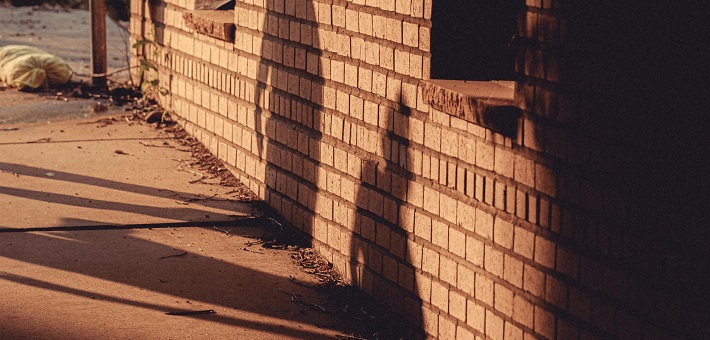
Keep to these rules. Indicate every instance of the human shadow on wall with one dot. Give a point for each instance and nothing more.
(381, 258)
(289, 117)
(288, 100)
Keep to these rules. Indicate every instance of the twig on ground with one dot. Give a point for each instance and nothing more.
(174, 255)
(165, 145)
(41, 140)
(252, 251)
(190, 171)
(223, 230)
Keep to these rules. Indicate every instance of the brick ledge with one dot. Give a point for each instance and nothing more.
(489, 104)
(214, 23)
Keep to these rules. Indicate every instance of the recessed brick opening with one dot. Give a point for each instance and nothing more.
(470, 40)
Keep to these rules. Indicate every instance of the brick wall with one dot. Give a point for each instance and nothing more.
(588, 222)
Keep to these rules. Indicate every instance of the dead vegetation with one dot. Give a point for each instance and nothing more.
(365, 319)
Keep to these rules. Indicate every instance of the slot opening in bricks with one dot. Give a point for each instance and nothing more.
(471, 40)
(218, 5)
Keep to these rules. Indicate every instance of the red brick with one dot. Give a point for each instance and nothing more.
(474, 251)
(484, 224)
(390, 210)
(499, 198)
(367, 228)
(447, 328)
(484, 289)
(460, 179)
(465, 215)
(447, 206)
(447, 270)
(422, 226)
(567, 261)
(544, 323)
(475, 316)
(521, 204)
(503, 299)
(406, 277)
(581, 306)
(466, 280)
(431, 200)
(398, 244)
(513, 332)
(488, 187)
(544, 212)
(423, 286)
(484, 155)
(493, 261)
(415, 194)
(504, 161)
(532, 208)
(457, 243)
(430, 262)
(406, 218)
(457, 305)
(470, 183)
(544, 252)
(523, 311)
(430, 321)
(463, 334)
(545, 180)
(533, 281)
(479, 187)
(440, 296)
(565, 330)
(556, 292)
(533, 135)
(513, 271)
(503, 232)
(390, 268)
(432, 136)
(510, 199)
(524, 171)
(440, 234)
(494, 326)
(374, 259)
(382, 235)
(524, 242)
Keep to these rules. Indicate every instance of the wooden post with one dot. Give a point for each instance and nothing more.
(98, 41)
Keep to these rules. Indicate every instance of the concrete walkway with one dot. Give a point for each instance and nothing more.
(96, 243)
(104, 230)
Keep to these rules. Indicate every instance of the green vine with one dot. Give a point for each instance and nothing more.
(150, 86)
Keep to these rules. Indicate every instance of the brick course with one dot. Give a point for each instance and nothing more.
(550, 232)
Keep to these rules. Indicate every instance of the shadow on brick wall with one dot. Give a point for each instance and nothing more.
(628, 157)
(288, 115)
(381, 257)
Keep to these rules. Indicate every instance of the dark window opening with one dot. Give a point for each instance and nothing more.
(471, 39)
(221, 5)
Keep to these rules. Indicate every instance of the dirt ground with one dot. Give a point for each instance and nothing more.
(65, 33)
(112, 228)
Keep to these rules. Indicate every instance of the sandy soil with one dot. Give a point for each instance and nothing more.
(65, 33)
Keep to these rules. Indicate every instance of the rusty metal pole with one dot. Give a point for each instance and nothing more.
(98, 41)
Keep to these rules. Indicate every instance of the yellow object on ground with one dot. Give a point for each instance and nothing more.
(29, 67)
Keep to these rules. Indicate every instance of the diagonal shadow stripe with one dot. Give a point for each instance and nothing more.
(241, 222)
